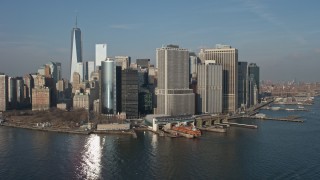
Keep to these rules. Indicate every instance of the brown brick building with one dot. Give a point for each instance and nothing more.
(40, 98)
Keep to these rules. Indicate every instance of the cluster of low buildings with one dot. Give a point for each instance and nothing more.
(290, 89)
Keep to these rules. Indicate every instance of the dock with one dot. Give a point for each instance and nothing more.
(243, 125)
(214, 129)
(287, 119)
(284, 109)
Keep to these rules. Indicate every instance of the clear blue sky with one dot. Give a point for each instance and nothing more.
(281, 36)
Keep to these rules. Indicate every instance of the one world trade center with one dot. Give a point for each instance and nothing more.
(76, 53)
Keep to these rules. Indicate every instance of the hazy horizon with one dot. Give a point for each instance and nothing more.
(277, 35)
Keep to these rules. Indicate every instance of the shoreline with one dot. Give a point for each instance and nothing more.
(75, 131)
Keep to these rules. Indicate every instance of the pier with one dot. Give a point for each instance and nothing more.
(284, 109)
(243, 125)
(288, 119)
(218, 129)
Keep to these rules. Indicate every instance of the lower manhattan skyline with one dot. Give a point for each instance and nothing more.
(278, 37)
(146, 89)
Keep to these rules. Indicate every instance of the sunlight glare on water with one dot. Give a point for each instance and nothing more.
(91, 157)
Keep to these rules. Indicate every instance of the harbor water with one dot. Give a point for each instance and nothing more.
(276, 150)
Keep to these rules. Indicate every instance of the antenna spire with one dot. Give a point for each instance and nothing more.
(76, 21)
(76, 12)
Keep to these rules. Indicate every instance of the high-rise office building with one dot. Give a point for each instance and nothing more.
(29, 84)
(3, 92)
(41, 70)
(129, 92)
(12, 92)
(228, 58)
(60, 86)
(40, 99)
(108, 87)
(53, 70)
(242, 83)
(89, 69)
(76, 51)
(193, 66)
(254, 84)
(20, 90)
(16, 92)
(145, 101)
(143, 63)
(79, 69)
(123, 61)
(173, 94)
(254, 71)
(39, 81)
(101, 53)
(209, 87)
(59, 71)
(143, 77)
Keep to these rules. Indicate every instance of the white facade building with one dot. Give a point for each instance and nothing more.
(101, 53)
(173, 94)
(209, 91)
(79, 69)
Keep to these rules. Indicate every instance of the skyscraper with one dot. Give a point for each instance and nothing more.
(59, 71)
(29, 84)
(143, 63)
(193, 65)
(76, 51)
(123, 61)
(54, 70)
(209, 91)
(254, 84)
(79, 69)
(129, 92)
(108, 87)
(101, 53)
(173, 94)
(3, 92)
(20, 90)
(12, 92)
(228, 58)
(242, 84)
(89, 69)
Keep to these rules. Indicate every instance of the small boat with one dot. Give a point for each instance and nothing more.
(300, 107)
(275, 108)
(289, 109)
(260, 115)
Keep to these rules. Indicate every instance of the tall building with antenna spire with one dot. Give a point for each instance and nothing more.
(76, 52)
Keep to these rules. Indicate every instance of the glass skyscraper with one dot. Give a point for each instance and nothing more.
(108, 87)
(76, 51)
